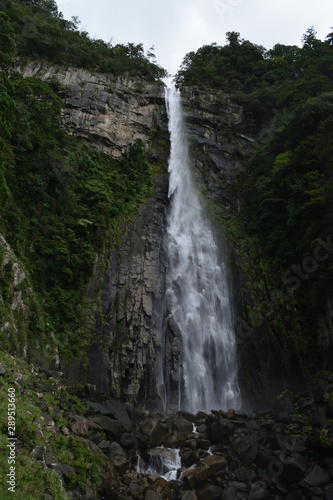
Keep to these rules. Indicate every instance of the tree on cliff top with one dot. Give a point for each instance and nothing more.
(42, 32)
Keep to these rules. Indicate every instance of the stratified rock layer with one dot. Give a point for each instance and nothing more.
(110, 112)
(123, 356)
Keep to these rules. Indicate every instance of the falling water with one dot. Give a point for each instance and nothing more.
(162, 461)
(198, 296)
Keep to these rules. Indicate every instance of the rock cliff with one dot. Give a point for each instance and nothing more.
(127, 287)
(222, 141)
(124, 360)
(13, 302)
(126, 294)
(109, 112)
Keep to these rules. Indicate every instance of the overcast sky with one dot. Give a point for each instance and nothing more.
(176, 27)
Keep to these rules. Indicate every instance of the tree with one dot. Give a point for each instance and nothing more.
(309, 38)
(7, 42)
(233, 38)
(329, 38)
(7, 105)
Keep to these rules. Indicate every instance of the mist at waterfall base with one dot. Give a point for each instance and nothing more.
(198, 292)
(162, 461)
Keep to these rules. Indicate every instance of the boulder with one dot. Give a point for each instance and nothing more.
(182, 428)
(219, 432)
(244, 474)
(117, 454)
(80, 428)
(118, 411)
(38, 453)
(189, 495)
(245, 449)
(66, 470)
(229, 493)
(98, 408)
(316, 476)
(206, 468)
(129, 441)
(93, 447)
(187, 415)
(293, 443)
(158, 434)
(152, 495)
(209, 492)
(147, 425)
(238, 485)
(113, 428)
(258, 490)
(293, 469)
(104, 445)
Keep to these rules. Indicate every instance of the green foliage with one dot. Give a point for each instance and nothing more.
(76, 453)
(286, 190)
(7, 104)
(236, 66)
(325, 439)
(42, 32)
(59, 199)
(289, 197)
(7, 42)
(32, 480)
(261, 81)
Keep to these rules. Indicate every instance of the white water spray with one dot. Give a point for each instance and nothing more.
(198, 295)
(162, 461)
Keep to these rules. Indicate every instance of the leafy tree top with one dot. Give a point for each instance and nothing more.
(41, 31)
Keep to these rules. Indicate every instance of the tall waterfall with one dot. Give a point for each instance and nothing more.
(198, 294)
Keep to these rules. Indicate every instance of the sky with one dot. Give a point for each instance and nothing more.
(176, 27)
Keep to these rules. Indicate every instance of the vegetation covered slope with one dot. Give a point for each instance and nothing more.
(285, 224)
(42, 32)
(58, 196)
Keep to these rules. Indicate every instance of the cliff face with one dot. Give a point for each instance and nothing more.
(14, 302)
(134, 352)
(222, 142)
(124, 360)
(125, 296)
(109, 112)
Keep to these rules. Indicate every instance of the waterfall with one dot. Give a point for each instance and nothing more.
(162, 461)
(198, 293)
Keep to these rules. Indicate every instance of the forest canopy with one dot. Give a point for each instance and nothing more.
(59, 197)
(42, 32)
(286, 188)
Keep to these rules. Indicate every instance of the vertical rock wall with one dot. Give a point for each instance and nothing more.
(123, 359)
(222, 142)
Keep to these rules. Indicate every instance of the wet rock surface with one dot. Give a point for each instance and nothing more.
(223, 455)
(125, 342)
(109, 111)
(222, 140)
(278, 454)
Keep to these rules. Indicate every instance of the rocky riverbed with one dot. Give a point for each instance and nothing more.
(284, 453)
